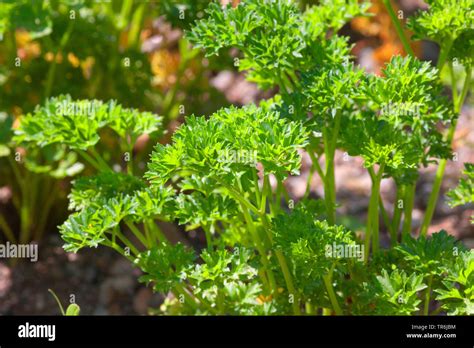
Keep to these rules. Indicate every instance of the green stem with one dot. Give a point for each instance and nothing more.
(34, 184)
(398, 28)
(102, 163)
(263, 196)
(25, 214)
(386, 220)
(329, 183)
(137, 233)
(89, 159)
(289, 282)
(332, 295)
(124, 13)
(118, 249)
(261, 249)
(12, 43)
(315, 164)
(433, 199)
(18, 178)
(208, 237)
(52, 68)
(7, 230)
(58, 302)
(135, 27)
(454, 88)
(51, 194)
(156, 231)
(280, 257)
(427, 296)
(125, 240)
(309, 309)
(282, 86)
(281, 194)
(188, 298)
(257, 188)
(465, 89)
(397, 214)
(408, 210)
(326, 312)
(148, 234)
(314, 167)
(16, 171)
(443, 54)
(130, 160)
(373, 214)
(308, 182)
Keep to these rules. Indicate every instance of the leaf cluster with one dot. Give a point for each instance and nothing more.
(77, 123)
(200, 146)
(276, 39)
(464, 192)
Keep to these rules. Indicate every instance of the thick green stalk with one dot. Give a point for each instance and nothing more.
(52, 68)
(111, 244)
(137, 233)
(397, 214)
(280, 257)
(51, 194)
(316, 165)
(289, 282)
(309, 309)
(408, 210)
(308, 182)
(443, 54)
(386, 220)
(23, 186)
(11, 42)
(208, 234)
(332, 295)
(35, 185)
(124, 14)
(261, 249)
(102, 163)
(89, 159)
(398, 28)
(427, 296)
(454, 88)
(25, 214)
(135, 27)
(130, 160)
(257, 188)
(442, 163)
(125, 240)
(157, 234)
(326, 312)
(433, 199)
(329, 183)
(372, 230)
(179, 288)
(7, 230)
